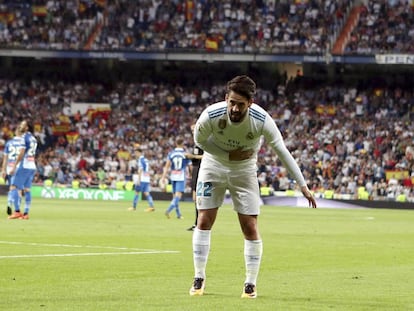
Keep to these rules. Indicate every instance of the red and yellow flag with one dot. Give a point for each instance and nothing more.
(39, 10)
(6, 17)
(211, 44)
(189, 10)
(71, 137)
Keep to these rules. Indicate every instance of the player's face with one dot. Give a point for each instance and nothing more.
(237, 106)
(23, 127)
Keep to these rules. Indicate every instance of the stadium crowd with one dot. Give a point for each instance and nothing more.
(231, 26)
(384, 26)
(225, 26)
(342, 137)
(345, 138)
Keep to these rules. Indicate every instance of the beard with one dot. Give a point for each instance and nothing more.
(236, 116)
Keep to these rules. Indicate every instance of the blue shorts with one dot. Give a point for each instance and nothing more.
(178, 186)
(143, 187)
(23, 178)
(8, 179)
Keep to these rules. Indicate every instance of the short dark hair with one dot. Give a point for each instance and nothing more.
(30, 125)
(242, 85)
(179, 140)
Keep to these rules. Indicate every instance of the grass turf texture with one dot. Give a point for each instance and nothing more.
(96, 255)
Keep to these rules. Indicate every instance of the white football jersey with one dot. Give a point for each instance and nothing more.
(217, 135)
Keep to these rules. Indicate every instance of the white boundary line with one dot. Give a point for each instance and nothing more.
(126, 250)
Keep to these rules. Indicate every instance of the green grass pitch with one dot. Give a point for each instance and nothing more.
(97, 255)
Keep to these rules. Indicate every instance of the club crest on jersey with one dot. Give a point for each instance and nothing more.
(222, 124)
(249, 135)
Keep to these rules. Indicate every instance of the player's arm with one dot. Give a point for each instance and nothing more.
(189, 155)
(275, 140)
(141, 164)
(4, 165)
(166, 169)
(139, 174)
(193, 156)
(190, 168)
(197, 156)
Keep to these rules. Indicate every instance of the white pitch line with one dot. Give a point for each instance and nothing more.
(88, 254)
(129, 251)
(75, 246)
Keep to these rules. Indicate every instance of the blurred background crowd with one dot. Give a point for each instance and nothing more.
(233, 26)
(346, 136)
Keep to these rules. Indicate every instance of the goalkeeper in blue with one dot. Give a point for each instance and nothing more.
(230, 133)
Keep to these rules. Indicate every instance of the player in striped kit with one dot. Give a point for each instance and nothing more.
(23, 171)
(11, 151)
(177, 164)
(143, 184)
(230, 133)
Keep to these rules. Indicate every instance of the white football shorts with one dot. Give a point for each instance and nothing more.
(214, 179)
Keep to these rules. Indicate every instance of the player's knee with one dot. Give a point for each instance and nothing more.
(250, 231)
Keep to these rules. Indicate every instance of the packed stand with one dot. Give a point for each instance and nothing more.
(223, 26)
(231, 26)
(48, 24)
(343, 138)
(385, 26)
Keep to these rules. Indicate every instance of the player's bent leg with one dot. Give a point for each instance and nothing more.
(206, 218)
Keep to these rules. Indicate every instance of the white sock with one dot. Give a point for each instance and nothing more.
(201, 248)
(253, 256)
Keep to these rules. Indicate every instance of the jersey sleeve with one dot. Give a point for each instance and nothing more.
(274, 138)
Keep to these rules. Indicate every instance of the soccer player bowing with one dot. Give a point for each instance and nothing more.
(230, 132)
